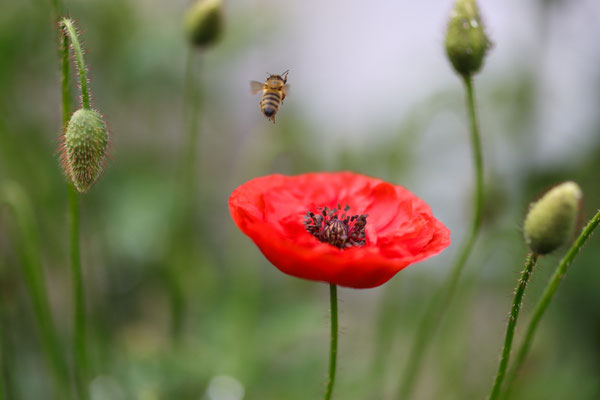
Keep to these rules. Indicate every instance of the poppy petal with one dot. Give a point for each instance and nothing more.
(400, 228)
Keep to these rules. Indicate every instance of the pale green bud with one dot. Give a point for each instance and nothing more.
(466, 40)
(551, 220)
(84, 148)
(203, 22)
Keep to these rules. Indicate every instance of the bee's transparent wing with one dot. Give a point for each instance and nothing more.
(256, 87)
(286, 91)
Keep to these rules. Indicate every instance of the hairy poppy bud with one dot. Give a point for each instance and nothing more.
(84, 148)
(203, 22)
(466, 41)
(551, 220)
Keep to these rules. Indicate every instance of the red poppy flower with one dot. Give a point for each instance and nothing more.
(342, 228)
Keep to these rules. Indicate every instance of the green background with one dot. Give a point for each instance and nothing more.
(239, 316)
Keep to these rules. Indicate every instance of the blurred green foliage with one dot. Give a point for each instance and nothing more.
(241, 317)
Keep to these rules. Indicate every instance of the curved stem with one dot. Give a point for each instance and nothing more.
(79, 341)
(444, 296)
(70, 31)
(512, 323)
(477, 159)
(544, 301)
(334, 341)
(65, 92)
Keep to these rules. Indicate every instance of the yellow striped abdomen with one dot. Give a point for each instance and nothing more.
(269, 104)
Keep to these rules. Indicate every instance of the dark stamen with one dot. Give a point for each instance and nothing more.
(339, 231)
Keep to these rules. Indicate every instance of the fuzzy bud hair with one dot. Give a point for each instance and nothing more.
(466, 41)
(551, 220)
(84, 148)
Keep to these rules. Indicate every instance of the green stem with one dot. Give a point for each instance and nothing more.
(512, 323)
(191, 107)
(544, 301)
(79, 341)
(184, 223)
(13, 196)
(65, 92)
(443, 298)
(71, 32)
(478, 163)
(334, 340)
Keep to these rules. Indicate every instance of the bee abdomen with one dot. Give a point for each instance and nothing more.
(270, 103)
(269, 111)
(271, 98)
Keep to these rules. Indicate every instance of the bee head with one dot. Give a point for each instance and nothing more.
(276, 81)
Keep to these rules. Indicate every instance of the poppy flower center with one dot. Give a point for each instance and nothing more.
(341, 231)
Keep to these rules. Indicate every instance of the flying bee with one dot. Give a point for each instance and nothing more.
(274, 90)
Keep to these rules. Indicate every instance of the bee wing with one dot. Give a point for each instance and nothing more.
(256, 87)
(286, 91)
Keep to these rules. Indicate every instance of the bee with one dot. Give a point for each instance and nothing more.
(274, 90)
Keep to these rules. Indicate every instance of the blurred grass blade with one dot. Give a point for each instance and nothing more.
(13, 196)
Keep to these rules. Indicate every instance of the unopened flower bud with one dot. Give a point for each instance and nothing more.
(551, 220)
(466, 40)
(84, 148)
(203, 22)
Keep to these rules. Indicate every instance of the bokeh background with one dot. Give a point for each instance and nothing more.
(194, 311)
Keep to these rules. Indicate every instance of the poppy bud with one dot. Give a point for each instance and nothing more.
(466, 40)
(84, 148)
(551, 220)
(203, 22)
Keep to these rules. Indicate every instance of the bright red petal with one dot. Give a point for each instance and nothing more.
(400, 228)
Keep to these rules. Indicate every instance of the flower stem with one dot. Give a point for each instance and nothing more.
(65, 92)
(334, 340)
(444, 296)
(13, 196)
(512, 323)
(478, 160)
(79, 341)
(544, 301)
(183, 227)
(191, 106)
(78, 298)
(71, 32)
